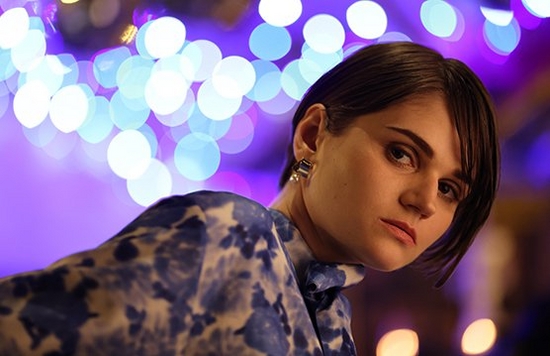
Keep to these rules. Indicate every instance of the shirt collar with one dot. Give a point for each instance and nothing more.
(311, 273)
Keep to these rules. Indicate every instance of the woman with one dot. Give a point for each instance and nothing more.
(393, 160)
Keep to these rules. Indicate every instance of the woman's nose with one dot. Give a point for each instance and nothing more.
(421, 196)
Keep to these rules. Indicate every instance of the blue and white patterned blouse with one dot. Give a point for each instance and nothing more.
(202, 274)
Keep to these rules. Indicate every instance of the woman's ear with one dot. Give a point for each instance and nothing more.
(310, 132)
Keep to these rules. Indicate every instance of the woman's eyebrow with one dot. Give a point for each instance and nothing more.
(419, 141)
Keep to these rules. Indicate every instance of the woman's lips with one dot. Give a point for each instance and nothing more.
(401, 230)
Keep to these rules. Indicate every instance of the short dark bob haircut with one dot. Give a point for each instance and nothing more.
(381, 75)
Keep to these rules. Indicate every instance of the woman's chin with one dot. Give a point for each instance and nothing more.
(386, 265)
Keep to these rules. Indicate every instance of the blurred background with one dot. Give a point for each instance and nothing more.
(109, 105)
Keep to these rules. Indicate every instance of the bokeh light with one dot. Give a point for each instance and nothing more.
(292, 81)
(153, 184)
(7, 69)
(324, 33)
(107, 64)
(69, 107)
(98, 124)
(539, 8)
(126, 113)
(439, 18)
(497, 16)
(233, 77)
(197, 156)
(314, 64)
(502, 40)
(270, 42)
(32, 103)
(399, 342)
(5, 99)
(129, 154)
(165, 91)
(83, 71)
(132, 76)
(71, 71)
(280, 13)
(151, 137)
(214, 105)
(14, 26)
(49, 71)
(204, 55)
(164, 37)
(181, 115)
(479, 337)
(367, 19)
(199, 123)
(268, 81)
(29, 52)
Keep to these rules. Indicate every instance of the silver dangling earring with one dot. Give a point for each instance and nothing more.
(300, 169)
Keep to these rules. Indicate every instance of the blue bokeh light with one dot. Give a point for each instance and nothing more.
(151, 137)
(132, 76)
(49, 71)
(29, 52)
(502, 40)
(292, 80)
(182, 114)
(7, 69)
(324, 33)
(5, 99)
(214, 105)
(127, 117)
(197, 156)
(198, 123)
(203, 55)
(106, 65)
(268, 81)
(99, 124)
(439, 18)
(269, 42)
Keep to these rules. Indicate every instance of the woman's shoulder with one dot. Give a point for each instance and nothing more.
(203, 205)
(207, 199)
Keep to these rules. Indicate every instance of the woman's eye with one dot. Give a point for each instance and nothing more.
(448, 191)
(400, 156)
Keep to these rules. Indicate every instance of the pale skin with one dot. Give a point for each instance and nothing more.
(382, 191)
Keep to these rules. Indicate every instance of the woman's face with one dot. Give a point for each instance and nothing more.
(385, 189)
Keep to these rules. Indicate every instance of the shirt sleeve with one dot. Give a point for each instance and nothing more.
(132, 293)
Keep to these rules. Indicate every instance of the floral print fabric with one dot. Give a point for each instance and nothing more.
(207, 273)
